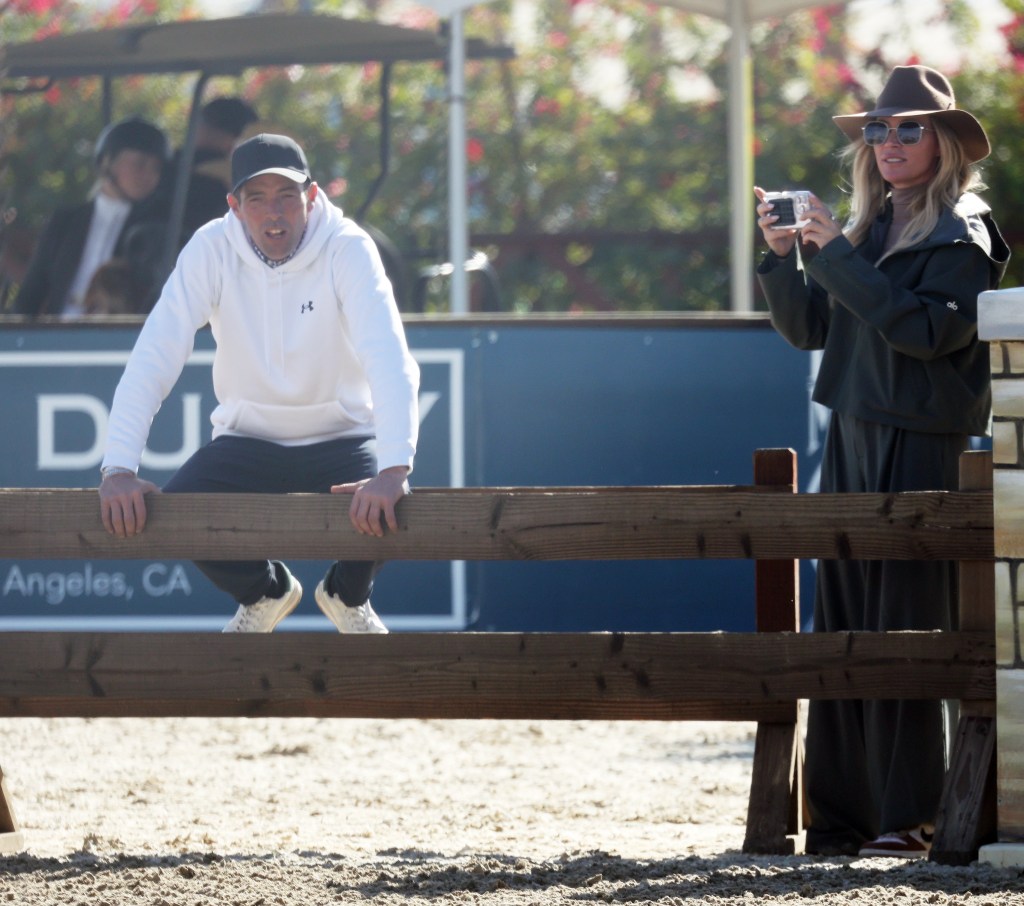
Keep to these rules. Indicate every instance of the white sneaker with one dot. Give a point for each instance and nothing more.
(266, 613)
(348, 619)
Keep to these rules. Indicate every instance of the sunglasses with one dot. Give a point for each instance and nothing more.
(877, 133)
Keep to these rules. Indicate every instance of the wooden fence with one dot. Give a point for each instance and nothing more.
(759, 676)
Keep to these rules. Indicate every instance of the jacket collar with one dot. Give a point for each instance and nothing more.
(969, 221)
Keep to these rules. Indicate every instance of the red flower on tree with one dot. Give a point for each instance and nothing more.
(33, 7)
(1013, 32)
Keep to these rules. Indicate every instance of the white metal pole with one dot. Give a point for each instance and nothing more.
(458, 229)
(741, 162)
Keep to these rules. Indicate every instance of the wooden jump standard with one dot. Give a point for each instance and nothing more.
(609, 676)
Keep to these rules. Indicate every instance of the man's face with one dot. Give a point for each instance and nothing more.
(274, 210)
(135, 174)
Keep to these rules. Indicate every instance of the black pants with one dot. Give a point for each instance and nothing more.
(875, 767)
(242, 464)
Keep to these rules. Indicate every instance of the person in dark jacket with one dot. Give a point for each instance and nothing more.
(111, 230)
(223, 122)
(891, 299)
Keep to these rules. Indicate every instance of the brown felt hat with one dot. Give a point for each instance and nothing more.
(921, 91)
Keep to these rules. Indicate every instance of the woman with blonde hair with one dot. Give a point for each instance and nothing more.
(891, 300)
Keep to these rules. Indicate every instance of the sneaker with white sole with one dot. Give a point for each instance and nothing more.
(266, 613)
(909, 844)
(348, 619)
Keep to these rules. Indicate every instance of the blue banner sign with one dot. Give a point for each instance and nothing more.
(502, 403)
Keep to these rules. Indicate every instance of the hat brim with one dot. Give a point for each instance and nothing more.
(970, 132)
(293, 175)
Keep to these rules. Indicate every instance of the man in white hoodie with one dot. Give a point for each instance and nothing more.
(315, 385)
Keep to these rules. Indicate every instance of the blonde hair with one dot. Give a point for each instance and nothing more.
(954, 175)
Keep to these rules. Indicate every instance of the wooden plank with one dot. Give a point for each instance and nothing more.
(967, 810)
(771, 790)
(608, 676)
(776, 582)
(775, 777)
(977, 577)
(11, 839)
(715, 522)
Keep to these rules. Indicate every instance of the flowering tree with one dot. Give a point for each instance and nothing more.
(47, 136)
(997, 95)
(597, 156)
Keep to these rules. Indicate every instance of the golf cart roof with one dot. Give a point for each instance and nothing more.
(227, 46)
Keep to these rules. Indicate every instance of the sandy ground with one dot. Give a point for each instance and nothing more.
(302, 812)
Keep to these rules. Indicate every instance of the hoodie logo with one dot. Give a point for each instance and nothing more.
(307, 306)
(950, 304)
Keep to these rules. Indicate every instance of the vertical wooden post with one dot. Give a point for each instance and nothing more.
(967, 810)
(10, 837)
(775, 809)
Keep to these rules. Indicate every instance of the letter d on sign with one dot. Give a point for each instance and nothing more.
(48, 406)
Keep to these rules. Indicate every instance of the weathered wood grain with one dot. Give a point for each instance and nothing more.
(772, 784)
(772, 823)
(536, 676)
(713, 522)
(613, 676)
(11, 838)
(966, 818)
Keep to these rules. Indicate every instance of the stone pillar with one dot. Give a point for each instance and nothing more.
(1001, 323)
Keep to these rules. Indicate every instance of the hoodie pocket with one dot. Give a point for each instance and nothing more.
(288, 423)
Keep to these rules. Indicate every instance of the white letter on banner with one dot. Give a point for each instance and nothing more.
(427, 400)
(47, 408)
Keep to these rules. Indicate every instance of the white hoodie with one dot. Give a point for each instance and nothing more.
(308, 351)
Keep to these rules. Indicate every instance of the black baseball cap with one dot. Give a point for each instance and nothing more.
(268, 153)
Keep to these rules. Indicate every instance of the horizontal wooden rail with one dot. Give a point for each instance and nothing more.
(531, 676)
(611, 676)
(702, 522)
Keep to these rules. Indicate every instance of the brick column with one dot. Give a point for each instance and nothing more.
(1001, 323)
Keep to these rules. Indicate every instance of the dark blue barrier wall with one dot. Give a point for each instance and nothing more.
(553, 402)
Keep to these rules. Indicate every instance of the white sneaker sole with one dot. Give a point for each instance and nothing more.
(335, 611)
(287, 604)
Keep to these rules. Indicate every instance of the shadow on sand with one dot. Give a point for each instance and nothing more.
(584, 877)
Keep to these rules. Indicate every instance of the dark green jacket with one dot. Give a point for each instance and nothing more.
(900, 340)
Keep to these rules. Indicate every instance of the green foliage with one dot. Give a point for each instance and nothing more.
(996, 95)
(47, 138)
(597, 156)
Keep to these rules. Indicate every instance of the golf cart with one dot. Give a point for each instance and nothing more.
(227, 47)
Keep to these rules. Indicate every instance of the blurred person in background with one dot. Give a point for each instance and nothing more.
(223, 121)
(114, 228)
